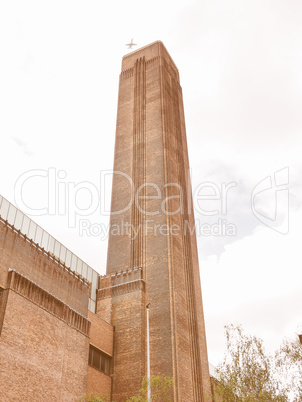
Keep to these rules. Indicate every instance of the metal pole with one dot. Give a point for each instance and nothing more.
(148, 357)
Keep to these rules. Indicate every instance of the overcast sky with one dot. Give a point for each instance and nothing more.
(240, 65)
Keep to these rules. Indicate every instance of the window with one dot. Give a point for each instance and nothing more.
(99, 360)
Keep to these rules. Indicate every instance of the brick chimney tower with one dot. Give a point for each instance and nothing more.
(152, 250)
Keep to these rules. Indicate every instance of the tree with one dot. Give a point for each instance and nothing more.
(93, 398)
(289, 362)
(247, 374)
(160, 389)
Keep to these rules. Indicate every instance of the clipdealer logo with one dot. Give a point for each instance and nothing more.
(80, 201)
(276, 215)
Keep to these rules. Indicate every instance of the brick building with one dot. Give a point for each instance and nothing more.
(49, 331)
(59, 319)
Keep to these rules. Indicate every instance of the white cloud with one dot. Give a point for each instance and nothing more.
(256, 283)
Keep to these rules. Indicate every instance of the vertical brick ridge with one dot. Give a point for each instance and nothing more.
(165, 139)
(30, 290)
(173, 124)
(125, 281)
(152, 63)
(128, 73)
(139, 163)
(188, 262)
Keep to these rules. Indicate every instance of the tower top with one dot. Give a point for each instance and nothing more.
(150, 51)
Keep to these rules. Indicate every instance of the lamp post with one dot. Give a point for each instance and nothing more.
(148, 357)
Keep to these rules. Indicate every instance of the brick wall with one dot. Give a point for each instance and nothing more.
(24, 256)
(101, 333)
(101, 336)
(42, 358)
(98, 383)
(44, 330)
(127, 294)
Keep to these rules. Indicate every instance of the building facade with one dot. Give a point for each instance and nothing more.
(67, 331)
(53, 346)
(155, 261)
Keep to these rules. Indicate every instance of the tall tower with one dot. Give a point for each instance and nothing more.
(152, 251)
